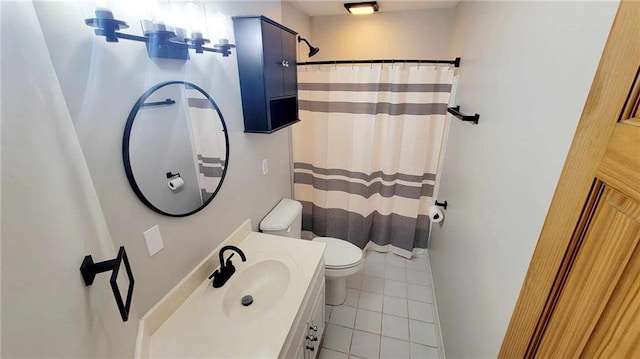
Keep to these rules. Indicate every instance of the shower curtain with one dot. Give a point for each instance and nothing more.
(208, 140)
(366, 152)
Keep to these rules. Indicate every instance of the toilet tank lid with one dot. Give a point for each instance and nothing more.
(282, 216)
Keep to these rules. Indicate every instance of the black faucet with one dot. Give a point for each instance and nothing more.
(226, 270)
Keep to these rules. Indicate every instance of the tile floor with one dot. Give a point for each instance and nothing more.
(388, 312)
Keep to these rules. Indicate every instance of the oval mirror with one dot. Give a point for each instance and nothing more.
(175, 148)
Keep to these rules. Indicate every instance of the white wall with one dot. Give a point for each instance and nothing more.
(101, 81)
(51, 217)
(526, 69)
(298, 21)
(419, 34)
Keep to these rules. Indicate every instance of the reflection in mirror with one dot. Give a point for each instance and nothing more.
(175, 148)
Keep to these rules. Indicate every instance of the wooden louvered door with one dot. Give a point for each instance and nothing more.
(581, 295)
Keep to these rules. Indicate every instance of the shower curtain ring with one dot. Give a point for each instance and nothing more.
(392, 61)
(371, 66)
(335, 65)
(404, 65)
(418, 64)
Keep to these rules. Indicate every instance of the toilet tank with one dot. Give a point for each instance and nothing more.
(284, 220)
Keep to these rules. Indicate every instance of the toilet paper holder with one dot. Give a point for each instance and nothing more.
(175, 181)
(441, 204)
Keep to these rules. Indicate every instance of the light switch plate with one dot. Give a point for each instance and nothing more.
(153, 239)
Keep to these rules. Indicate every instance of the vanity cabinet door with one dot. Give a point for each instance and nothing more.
(300, 353)
(310, 317)
(317, 320)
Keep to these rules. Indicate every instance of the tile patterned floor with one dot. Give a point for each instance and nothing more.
(388, 312)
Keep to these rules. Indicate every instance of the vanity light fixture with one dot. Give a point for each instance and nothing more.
(162, 41)
(312, 50)
(362, 8)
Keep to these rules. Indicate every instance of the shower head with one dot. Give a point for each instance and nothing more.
(312, 50)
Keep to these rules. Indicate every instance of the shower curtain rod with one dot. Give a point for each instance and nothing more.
(455, 63)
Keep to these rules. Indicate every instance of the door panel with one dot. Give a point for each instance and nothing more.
(622, 159)
(631, 111)
(617, 333)
(611, 239)
(581, 295)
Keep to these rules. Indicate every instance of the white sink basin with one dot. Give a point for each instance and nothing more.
(269, 276)
(212, 322)
(265, 281)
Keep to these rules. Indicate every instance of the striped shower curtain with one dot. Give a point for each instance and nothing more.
(208, 141)
(366, 152)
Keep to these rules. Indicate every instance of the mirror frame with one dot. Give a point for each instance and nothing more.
(127, 138)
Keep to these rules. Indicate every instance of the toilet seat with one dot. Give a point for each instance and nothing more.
(339, 253)
(341, 259)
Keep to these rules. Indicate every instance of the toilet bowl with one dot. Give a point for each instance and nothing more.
(341, 258)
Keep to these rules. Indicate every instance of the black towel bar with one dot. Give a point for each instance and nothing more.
(441, 204)
(456, 112)
(89, 269)
(166, 102)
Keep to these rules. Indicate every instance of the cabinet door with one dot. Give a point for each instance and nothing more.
(272, 43)
(316, 320)
(290, 72)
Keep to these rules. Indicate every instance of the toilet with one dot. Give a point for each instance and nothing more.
(341, 258)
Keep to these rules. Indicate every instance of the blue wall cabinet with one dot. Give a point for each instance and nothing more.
(266, 53)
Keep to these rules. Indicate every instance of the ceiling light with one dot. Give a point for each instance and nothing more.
(362, 8)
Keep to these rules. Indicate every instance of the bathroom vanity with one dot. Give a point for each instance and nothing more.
(284, 276)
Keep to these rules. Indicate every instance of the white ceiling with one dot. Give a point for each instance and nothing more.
(336, 7)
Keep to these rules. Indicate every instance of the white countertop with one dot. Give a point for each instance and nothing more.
(199, 327)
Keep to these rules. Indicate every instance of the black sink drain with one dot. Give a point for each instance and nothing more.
(247, 300)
